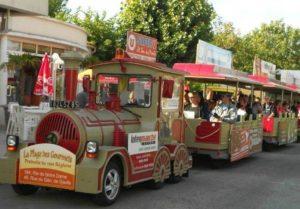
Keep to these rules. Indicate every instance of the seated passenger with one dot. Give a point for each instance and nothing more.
(298, 109)
(256, 108)
(241, 112)
(286, 107)
(225, 111)
(268, 107)
(186, 100)
(278, 108)
(193, 109)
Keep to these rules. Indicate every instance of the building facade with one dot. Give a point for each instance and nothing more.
(25, 28)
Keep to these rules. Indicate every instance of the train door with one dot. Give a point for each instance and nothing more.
(170, 116)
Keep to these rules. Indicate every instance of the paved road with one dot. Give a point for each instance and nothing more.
(265, 181)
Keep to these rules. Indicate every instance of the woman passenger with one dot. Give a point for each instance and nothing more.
(241, 112)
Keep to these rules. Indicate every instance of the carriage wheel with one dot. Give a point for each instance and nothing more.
(162, 169)
(180, 165)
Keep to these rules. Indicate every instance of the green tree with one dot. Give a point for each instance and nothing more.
(275, 42)
(178, 25)
(101, 33)
(58, 9)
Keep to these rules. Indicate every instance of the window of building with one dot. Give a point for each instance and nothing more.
(13, 46)
(30, 48)
(44, 49)
(57, 50)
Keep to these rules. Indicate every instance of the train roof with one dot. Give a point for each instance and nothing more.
(272, 84)
(214, 73)
(154, 65)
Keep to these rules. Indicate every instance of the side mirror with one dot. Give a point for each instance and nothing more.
(86, 83)
(168, 88)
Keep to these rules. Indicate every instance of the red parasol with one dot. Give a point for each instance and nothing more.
(44, 84)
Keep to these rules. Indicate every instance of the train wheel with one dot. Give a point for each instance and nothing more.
(111, 185)
(25, 189)
(180, 165)
(162, 170)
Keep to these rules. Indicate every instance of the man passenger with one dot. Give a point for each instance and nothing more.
(225, 111)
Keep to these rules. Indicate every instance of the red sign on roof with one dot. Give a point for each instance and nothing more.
(141, 47)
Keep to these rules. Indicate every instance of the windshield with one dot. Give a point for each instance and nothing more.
(132, 90)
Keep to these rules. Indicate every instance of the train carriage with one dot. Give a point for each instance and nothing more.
(281, 129)
(221, 140)
(130, 132)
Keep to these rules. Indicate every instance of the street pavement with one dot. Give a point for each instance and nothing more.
(265, 181)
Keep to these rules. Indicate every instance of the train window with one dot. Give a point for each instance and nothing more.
(132, 90)
(107, 85)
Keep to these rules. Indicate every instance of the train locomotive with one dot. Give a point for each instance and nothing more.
(131, 131)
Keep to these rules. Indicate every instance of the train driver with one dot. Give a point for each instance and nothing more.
(82, 98)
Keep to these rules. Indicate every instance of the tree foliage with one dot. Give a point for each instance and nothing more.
(277, 43)
(58, 9)
(178, 25)
(102, 33)
(274, 42)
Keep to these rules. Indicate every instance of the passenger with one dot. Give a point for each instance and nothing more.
(286, 107)
(211, 105)
(256, 108)
(242, 112)
(294, 108)
(204, 111)
(298, 109)
(278, 108)
(249, 107)
(225, 111)
(268, 108)
(194, 105)
(186, 100)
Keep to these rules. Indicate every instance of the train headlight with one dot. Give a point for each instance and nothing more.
(91, 149)
(12, 142)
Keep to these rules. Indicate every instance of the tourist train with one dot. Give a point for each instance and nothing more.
(135, 127)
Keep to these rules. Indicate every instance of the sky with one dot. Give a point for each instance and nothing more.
(245, 14)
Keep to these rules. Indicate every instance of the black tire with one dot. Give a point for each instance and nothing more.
(108, 198)
(24, 189)
(187, 174)
(155, 185)
(173, 179)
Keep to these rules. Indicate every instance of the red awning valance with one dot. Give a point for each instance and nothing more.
(198, 70)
